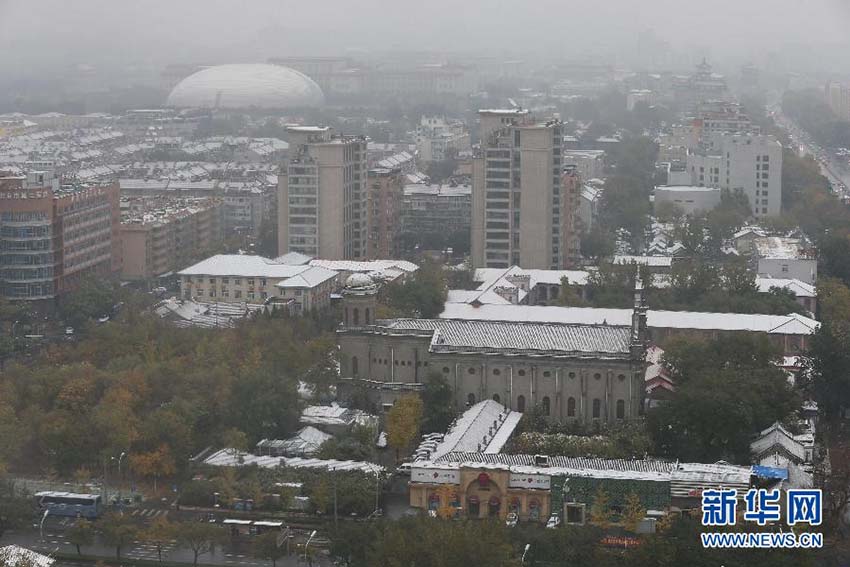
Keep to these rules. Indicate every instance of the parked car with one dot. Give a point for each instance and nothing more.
(512, 519)
(404, 469)
(554, 521)
(69, 330)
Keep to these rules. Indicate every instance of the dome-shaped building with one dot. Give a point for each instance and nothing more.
(246, 86)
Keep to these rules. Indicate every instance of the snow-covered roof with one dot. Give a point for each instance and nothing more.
(652, 261)
(306, 441)
(366, 267)
(776, 438)
(485, 427)
(242, 265)
(470, 336)
(311, 277)
(792, 324)
(797, 287)
(17, 556)
(234, 458)
(777, 247)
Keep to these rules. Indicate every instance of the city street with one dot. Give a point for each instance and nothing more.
(55, 541)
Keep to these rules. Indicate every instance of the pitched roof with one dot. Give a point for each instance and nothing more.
(519, 338)
(792, 324)
(474, 429)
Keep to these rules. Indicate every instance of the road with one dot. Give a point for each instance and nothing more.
(835, 172)
(231, 554)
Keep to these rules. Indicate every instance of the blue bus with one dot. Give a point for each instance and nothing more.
(70, 504)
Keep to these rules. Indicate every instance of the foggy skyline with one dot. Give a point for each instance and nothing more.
(53, 33)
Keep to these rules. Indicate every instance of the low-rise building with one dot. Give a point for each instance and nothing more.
(230, 278)
(787, 258)
(484, 485)
(691, 200)
(429, 209)
(590, 374)
(161, 234)
(589, 163)
(790, 333)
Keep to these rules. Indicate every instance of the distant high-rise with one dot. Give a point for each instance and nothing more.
(385, 194)
(322, 197)
(520, 214)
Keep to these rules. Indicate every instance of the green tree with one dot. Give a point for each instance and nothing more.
(403, 421)
(80, 534)
(199, 537)
(117, 531)
(726, 391)
(421, 295)
(597, 243)
(266, 547)
(159, 533)
(93, 298)
(438, 403)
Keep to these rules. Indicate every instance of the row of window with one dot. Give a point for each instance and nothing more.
(521, 372)
(546, 406)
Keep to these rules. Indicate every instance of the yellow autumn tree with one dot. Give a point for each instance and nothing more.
(403, 422)
(633, 513)
(154, 464)
(446, 493)
(600, 510)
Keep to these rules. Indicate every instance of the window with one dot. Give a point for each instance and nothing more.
(446, 370)
(471, 370)
(784, 268)
(367, 315)
(520, 404)
(574, 514)
(571, 407)
(225, 280)
(546, 373)
(237, 281)
(597, 376)
(238, 294)
(354, 366)
(621, 409)
(496, 372)
(497, 398)
(355, 316)
(621, 377)
(521, 372)
(470, 400)
(212, 280)
(597, 408)
(572, 375)
(546, 405)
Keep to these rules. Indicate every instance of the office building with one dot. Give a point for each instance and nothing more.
(518, 208)
(161, 234)
(322, 197)
(54, 235)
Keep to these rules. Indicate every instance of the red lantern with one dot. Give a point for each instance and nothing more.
(484, 480)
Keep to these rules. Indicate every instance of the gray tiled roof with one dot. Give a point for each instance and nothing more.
(454, 335)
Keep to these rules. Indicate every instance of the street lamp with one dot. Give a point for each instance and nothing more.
(120, 478)
(309, 539)
(41, 524)
(527, 547)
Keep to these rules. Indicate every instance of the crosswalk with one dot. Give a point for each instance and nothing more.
(149, 513)
(147, 550)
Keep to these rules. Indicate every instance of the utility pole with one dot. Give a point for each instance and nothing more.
(377, 491)
(336, 517)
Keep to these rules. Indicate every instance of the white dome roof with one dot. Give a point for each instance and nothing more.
(246, 86)
(358, 280)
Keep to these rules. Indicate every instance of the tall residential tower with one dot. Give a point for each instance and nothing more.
(322, 196)
(520, 214)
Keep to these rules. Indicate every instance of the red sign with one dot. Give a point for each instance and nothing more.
(484, 480)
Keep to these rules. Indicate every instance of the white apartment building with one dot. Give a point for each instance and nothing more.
(438, 138)
(322, 198)
(746, 161)
(519, 210)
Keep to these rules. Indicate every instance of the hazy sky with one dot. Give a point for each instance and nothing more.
(57, 32)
